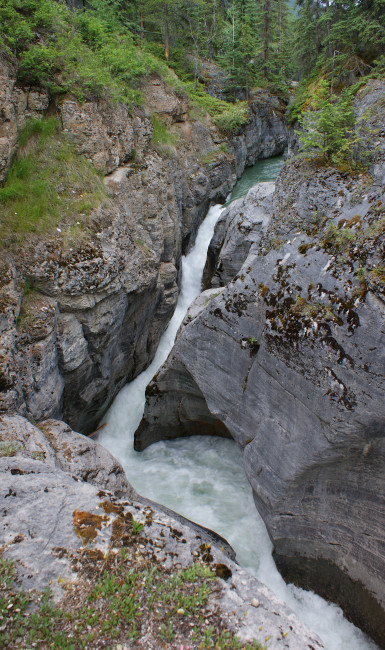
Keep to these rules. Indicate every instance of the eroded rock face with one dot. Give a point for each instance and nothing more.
(290, 359)
(236, 231)
(98, 308)
(57, 446)
(65, 498)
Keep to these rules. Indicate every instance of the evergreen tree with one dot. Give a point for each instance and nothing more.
(276, 57)
(241, 45)
(329, 130)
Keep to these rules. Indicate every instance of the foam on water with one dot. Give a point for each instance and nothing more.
(203, 477)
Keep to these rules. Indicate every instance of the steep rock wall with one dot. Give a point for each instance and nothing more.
(290, 359)
(99, 308)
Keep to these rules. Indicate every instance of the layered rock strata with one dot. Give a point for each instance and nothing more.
(289, 359)
(65, 499)
(99, 307)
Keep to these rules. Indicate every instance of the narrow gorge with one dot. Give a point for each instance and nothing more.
(280, 356)
(288, 360)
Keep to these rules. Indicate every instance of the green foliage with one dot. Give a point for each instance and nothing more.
(161, 134)
(377, 275)
(307, 87)
(257, 45)
(226, 641)
(88, 53)
(338, 239)
(8, 449)
(329, 130)
(232, 118)
(227, 117)
(37, 127)
(48, 185)
(115, 598)
(112, 45)
(314, 310)
(137, 526)
(343, 28)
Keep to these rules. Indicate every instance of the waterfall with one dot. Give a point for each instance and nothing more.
(203, 478)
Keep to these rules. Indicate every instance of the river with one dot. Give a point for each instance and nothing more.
(202, 477)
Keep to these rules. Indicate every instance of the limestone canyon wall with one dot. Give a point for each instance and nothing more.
(99, 308)
(68, 507)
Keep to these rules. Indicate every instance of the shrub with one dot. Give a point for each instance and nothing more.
(232, 118)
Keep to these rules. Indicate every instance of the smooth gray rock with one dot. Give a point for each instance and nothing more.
(57, 445)
(238, 228)
(45, 496)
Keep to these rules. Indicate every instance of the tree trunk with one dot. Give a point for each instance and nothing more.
(141, 25)
(166, 38)
(266, 11)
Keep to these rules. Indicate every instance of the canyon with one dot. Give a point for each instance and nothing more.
(288, 360)
(100, 307)
(283, 351)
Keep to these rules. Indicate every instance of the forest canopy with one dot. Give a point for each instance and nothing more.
(84, 45)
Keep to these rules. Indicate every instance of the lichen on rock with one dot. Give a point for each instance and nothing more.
(103, 551)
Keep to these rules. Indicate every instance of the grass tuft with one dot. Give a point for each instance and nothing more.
(48, 186)
(114, 599)
(163, 139)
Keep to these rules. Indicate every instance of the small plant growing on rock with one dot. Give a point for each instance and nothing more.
(118, 595)
(338, 239)
(163, 139)
(137, 526)
(8, 449)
